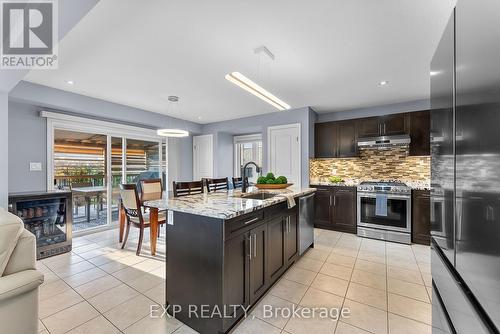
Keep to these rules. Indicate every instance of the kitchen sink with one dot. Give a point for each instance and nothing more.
(260, 195)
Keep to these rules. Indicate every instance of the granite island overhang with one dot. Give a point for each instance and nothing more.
(224, 251)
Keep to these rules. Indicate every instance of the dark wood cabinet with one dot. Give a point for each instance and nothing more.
(291, 237)
(236, 272)
(258, 262)
(335, 208)
(396, 124)
(389, 125)
(322, 206)
(420, 123)
(346, 139)
(368, 127)
(276, 247)
(335, 139)
(421, 220)
(344, 209)
(325, 139)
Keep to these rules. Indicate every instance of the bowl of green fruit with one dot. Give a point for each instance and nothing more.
(335, 179)
(271, 182)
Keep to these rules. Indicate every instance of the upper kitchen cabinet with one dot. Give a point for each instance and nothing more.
(368, 127)
(420, 123)
(396, 124)
(335, 139)
(325, 135)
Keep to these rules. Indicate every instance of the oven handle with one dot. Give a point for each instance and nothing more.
(389, 196)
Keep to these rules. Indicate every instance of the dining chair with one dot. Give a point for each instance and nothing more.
(217, 184)
(151, 190)
(237, 182)
(187, 188)
(134, 214)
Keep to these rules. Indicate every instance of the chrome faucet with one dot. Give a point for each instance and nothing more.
(243, 172)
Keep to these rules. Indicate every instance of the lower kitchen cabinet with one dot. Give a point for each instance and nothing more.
(258, 262)
(291, 237)
(335, 208)
(421, 217)
(276, 247)
(344, 209)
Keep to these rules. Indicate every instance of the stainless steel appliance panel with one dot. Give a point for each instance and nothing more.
(306, 222)
(442, 142)
(455, 301)
(478, 151)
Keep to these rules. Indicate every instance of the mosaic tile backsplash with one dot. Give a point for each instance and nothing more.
(374, 164)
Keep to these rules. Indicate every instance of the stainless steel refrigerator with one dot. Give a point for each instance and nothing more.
(465, 171)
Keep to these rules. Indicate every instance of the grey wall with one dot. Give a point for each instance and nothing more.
(4, 149)
(375, 111)
(27, 130)
(27, 143)
(259, 124)
(223, 154)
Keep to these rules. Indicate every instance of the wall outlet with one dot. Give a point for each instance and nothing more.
(35, 166)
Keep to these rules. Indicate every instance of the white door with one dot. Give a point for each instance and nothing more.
(284, 152)
(203, 157)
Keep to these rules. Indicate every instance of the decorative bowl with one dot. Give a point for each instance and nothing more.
(273, 186)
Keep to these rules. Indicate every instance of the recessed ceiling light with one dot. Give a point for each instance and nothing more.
(433, 73)
(243, 82)
(200, 118)
(69, 82)
(383, 83)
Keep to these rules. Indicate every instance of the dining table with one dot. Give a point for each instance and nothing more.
(88, 193)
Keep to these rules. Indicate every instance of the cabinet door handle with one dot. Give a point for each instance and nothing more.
(380, 128)
(250, 242)
(334, 200)
(330, 200)
(255, 245)
(384, 128)
(251, 220)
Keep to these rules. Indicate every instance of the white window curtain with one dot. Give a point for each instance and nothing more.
(247, 148)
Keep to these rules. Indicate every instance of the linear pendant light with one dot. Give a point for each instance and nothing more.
(243, 82)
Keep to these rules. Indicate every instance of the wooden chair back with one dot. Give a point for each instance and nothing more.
(151, 190)
(217, 184)
(238, 183)
(187, 188)
(130, 201)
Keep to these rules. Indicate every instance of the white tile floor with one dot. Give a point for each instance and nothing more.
(99, 288)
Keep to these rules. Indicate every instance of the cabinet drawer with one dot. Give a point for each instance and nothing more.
(238, 225)
(275, 210)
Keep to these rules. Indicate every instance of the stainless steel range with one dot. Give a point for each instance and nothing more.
(384, 211)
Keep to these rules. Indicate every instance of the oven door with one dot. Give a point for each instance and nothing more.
(398, 212)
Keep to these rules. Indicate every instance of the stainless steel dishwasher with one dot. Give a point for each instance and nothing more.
(306, 222)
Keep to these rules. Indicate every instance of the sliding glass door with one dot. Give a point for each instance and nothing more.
(80, 165)
(93, 165)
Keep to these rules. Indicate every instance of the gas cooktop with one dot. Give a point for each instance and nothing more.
(384, 186)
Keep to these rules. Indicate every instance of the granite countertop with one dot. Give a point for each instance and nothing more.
(413, 184)
(225, 204)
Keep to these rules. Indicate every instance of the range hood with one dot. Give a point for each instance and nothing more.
(384, 141)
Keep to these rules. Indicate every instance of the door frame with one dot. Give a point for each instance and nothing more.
(58, 121)
(195, 160)
(299, 140)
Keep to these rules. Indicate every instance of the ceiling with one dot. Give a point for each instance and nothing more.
(329, 54)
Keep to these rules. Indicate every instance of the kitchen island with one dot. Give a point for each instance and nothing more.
(224, 251)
